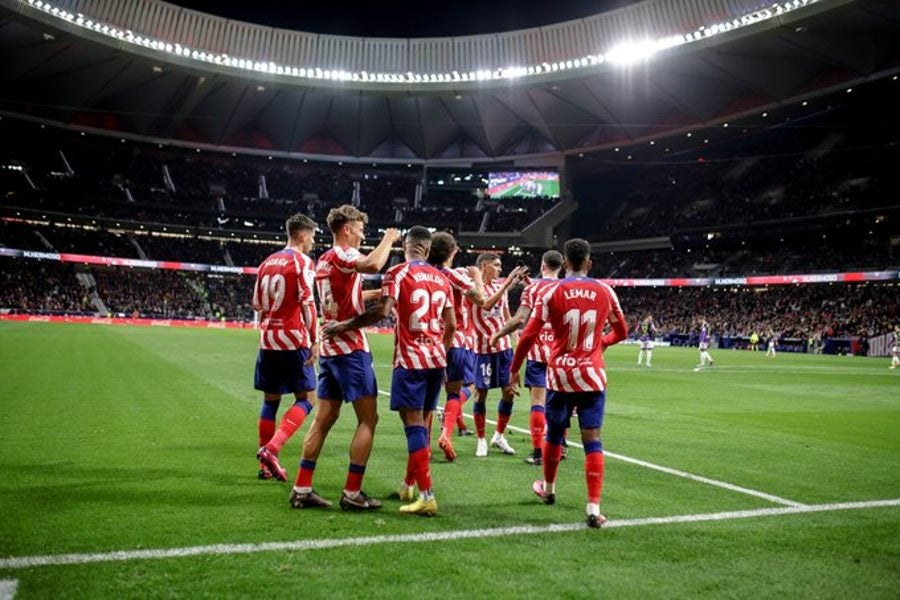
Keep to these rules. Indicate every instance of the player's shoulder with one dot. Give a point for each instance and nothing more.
(337, 258)
(428, 272)
(276, 259)
(456, 275)
(346, 253)
(398, 268)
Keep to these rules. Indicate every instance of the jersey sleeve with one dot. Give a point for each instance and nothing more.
(528, 295)
(390, 285)
(459, 280)
(345, 259)
(448, 289)
(307, 281)
(256, 300)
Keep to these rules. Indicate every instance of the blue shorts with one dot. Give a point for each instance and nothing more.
(348, 377)
(590, 405)
(535, 374)
(282, 372)
(416, 389)
(460, 365)
(492, 370)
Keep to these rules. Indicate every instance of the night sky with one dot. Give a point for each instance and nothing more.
(405, 18)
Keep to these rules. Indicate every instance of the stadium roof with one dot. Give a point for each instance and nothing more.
(55, 70)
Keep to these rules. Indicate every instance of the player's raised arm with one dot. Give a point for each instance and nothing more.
(513, 323)
(377, 258)
(517, 275)
(526, 341)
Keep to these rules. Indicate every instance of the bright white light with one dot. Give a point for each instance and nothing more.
(632, 52)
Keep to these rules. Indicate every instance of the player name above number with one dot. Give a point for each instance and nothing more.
(280, 262)
(580, 293)
(419, 277)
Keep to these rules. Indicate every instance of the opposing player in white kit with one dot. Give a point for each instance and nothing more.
(646, 338)
(706, 360)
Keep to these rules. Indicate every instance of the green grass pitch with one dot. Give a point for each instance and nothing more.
(141, 439)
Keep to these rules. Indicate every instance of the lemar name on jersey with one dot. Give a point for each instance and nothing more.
(577, 309)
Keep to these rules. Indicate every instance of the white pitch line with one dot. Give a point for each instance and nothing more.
(706, 480)
(8, 588)
(678, 473)
(26, 562)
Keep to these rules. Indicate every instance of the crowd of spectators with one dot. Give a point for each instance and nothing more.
(739, 262)
(779, 175)
(42, 287)
(153, 183)
(159, 294)
(790, 311)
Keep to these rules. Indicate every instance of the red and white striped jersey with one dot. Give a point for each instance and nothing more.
(283, 293)
(420, 293)
(460, 283)
(488, 322)
(540, 352)
(577, 308)
(340, 298)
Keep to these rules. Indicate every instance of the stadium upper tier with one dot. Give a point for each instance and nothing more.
(621, 37)
(149, 69)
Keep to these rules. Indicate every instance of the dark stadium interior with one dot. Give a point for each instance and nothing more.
(803, 186)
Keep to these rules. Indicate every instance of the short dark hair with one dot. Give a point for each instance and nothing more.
(442, 245)
(485, 257)
(418, 235)
(297, 223)
(346, 213)
(553, 259)
(577, 251)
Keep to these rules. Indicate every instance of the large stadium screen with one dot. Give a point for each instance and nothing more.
(523, 184)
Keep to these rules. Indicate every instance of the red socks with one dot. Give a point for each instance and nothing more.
(593, 473)
(451, 414)
(266, 431)
(537, 421)
(290, 423)
(502, 421)
(419, 462)
(551, 454)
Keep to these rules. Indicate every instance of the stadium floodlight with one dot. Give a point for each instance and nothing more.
(623, 54)
(631, 52)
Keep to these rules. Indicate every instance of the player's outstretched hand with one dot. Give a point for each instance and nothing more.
(392, 234)
(332, 328)
(313, 355)
(518, 274)
(514, 383)
(474, 273)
